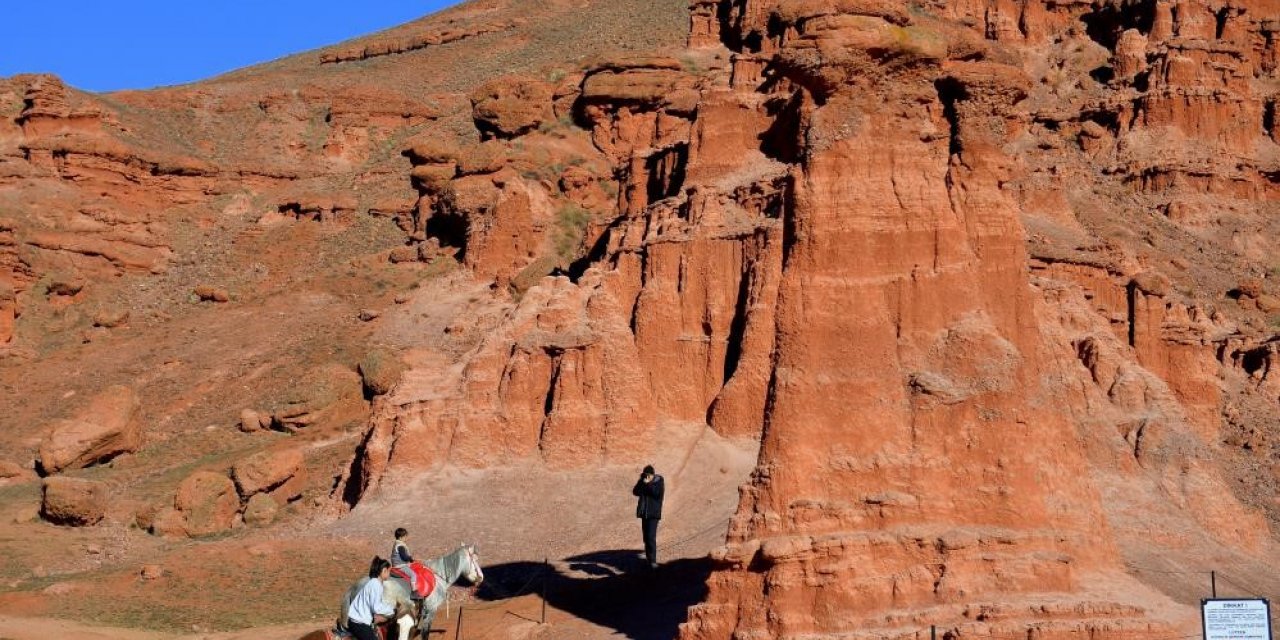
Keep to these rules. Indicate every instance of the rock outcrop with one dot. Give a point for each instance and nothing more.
(266, 471)
(73, 502)
(105, 428)
(861, 243)
(990, 286)
(205, 503)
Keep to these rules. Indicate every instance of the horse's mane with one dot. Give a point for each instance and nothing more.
(449, 565)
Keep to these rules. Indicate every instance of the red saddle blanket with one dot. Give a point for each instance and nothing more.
(421, 578)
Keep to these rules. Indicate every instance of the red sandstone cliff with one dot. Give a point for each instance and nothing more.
(828, 241)
(989, 283)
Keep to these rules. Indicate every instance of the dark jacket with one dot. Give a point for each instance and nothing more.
(649, 504)
(400, 554)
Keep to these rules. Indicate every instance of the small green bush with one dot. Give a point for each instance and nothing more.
(571, 224)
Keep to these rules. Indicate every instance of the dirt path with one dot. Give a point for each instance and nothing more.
(17, 628)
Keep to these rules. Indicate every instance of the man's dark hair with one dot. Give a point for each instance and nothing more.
(376, 567)
(401, 532)
(648, 469)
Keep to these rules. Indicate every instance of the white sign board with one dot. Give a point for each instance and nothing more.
(1236, 619)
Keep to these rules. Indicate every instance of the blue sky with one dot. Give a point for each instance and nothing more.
(105, 45)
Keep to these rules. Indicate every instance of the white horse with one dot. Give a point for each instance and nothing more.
(448, 569)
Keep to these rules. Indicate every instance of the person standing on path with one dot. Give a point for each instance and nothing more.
(649, 492)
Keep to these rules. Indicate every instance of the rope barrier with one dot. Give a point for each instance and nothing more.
(698, 534)
(1247, 589)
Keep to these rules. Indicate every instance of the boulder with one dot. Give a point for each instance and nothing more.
(1152, 283)
(291, 489)
(210, 293)
(63, 284)
(511, 106)
(250, 420)
(208, 503)
(168, 522)
(1251, 288)
(261, 510)
(151, 571)
(144, 516)
(380, 370)
(107, 427)
(428, 151)
(432, 178)
(12, 472)
(73, 502)
(110, 317)
(266, 470)
(486, 157)
(403, 254)
(327, 392)
(1268, 303)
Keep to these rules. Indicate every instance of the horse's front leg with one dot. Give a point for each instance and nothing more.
(425, 618)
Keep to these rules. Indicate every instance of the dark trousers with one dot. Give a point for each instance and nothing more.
(362, 631)
(649, 527)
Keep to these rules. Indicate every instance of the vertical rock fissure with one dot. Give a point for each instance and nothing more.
(738, 325)
(666, 170)
(1269, 118)
(355, 485)
(950, 92)
(635, 302)
(1132, 297)
(1220, 21)
(549, 401)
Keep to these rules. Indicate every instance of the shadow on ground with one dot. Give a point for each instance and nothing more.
(614, 589)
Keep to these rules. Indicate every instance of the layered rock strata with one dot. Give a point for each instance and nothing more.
(826, 239)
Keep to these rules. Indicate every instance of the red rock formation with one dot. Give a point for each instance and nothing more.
(73, 501)
(511, 106)
(206, 503)
(392, 45)
(907, 357)
(959, 267)
(105, 428)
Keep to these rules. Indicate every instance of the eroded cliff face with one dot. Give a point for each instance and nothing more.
(959, 267)
(988, 284)
(950, 338)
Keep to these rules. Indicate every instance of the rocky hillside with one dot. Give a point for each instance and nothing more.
(987, 287)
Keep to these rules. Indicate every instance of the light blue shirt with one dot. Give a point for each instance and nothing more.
(368, 602)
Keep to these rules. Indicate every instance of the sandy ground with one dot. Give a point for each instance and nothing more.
(17, 628)
(572, 537)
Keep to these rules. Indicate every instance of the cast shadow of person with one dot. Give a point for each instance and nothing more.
(614, 589)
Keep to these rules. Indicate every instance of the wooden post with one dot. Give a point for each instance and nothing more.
(933, 632)
(457, 632)
(546, 566)
(1213, 583)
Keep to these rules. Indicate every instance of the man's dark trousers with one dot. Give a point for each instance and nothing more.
(649, 526)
